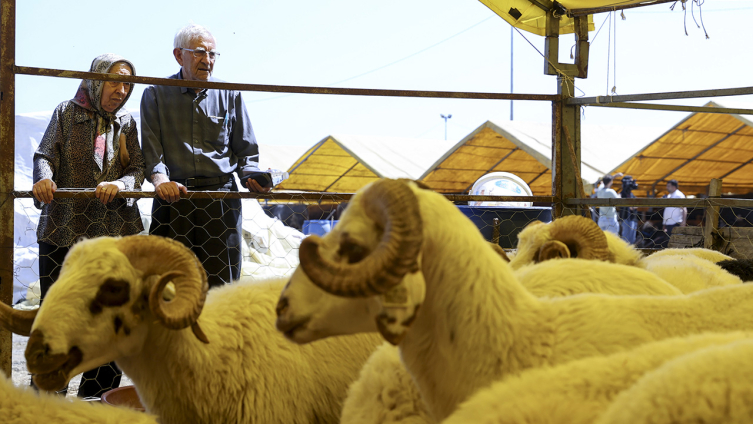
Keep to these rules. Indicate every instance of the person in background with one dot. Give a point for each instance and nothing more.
(674, 216)
(194, 139)
(91, 142)
(608, 214)
(628, 214)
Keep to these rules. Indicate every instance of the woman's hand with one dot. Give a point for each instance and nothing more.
(106, 190)
(44, 189)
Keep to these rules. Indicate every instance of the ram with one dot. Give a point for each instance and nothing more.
(712, 385)
(385, 393)
(20, 405)
(578, 392)
(197, 358)
(689, 270)
(405, 262)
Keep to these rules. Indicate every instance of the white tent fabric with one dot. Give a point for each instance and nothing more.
(344, 163)
(603, 147)
(394, 157)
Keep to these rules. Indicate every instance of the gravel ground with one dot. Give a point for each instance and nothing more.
(21, 376)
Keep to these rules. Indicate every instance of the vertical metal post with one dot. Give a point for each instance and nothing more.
(581, 45)
(565, 118)
(551, 45)
(565, 121)
(8, 147)
(711, 224)
(511, 66)
(495, 230)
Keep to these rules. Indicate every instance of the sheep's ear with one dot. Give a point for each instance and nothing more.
(554, 249)
(400, 305)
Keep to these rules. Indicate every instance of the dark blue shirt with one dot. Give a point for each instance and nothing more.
(185, 134)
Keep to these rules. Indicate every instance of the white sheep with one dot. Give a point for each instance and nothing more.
(385, 393)
(23, 405)
(398, 248)
(571, 236)
(199, 358)
(711, 386)
(689, 270)
(565, 277)
(699, 252)
(578, 392)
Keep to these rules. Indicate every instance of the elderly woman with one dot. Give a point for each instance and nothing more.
(91, 142)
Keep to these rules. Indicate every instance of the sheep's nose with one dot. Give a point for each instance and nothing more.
(38, 357)
(282, 306)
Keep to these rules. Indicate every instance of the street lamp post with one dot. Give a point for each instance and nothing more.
(445, 123)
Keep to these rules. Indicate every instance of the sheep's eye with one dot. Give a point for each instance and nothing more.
(351, 249)
(114, 292)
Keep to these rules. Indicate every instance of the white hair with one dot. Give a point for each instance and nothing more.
(188, 33)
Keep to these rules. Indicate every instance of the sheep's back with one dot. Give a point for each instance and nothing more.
(384, 393)
(699, 252)
(249, 372)
(578, 392)
(564, 277)
(22, 405)
(689, 273)
(710, 386)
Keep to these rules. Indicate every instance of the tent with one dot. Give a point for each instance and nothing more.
(526, 15)
(700, 147)
(345, 163)
(525, 149)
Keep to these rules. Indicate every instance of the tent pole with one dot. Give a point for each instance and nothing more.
(566, 138)
(7, 146)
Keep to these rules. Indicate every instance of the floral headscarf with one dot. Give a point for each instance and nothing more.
(105, 141)
(89, 94)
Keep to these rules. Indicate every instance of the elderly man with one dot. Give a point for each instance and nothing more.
(194, 139)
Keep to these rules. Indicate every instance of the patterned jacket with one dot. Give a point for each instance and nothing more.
(66, 155)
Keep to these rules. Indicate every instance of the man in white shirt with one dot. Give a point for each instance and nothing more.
(674, 216)
(608, 215)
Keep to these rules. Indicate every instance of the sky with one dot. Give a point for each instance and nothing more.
(438, 45)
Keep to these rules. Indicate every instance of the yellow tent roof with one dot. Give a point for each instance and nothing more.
(525, 149)
(524, 14)
(527, 16)
(345, 163)
(701, 147)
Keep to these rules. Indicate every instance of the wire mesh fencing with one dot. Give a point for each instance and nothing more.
(271, 227)
(725, 225)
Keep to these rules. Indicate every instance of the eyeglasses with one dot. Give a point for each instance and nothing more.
(200, 53)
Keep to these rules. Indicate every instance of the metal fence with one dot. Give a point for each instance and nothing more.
(270, 246)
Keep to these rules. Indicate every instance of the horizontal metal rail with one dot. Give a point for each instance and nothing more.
(695, 203)
(661, 96)
(326, 196)
(26, 70)
(677, 108)
(276, 196)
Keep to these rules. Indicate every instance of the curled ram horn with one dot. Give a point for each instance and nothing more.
(575, 237)
(17, 321)
(172, 262)
(394, 207)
